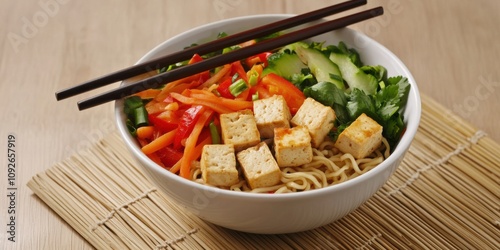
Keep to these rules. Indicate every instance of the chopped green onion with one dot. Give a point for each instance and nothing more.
(140, 115)
(229, 49)
(255, 96)
(131, 129)
(132, 103)
(236, 88)
(137, 115)
(253, 78)
(214, 133)
(235, 77)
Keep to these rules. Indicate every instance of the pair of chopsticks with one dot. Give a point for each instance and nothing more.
(213, 62)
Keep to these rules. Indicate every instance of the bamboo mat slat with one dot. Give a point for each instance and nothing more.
(445, 195)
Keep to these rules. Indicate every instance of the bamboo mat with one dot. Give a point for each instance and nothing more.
(445, 195)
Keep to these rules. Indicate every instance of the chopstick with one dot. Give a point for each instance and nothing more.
(210, 63)
(206, 48)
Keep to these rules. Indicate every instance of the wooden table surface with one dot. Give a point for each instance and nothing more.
(450, 46)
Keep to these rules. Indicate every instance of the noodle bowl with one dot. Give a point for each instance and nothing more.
(291, 212)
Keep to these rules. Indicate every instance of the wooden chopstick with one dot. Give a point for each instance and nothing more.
(207, 48)
(210, 63)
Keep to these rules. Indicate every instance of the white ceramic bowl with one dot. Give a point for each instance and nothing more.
(278, 213)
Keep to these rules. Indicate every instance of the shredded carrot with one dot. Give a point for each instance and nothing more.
(218, 107)
(148, 93)
(145, 132)
(168, 87)
(183, 86)
(216, 77)
(232, 104)
(160, 142)
(154, 107)
(196, 153)
(248, 43)
(176, 167)
(189, 156)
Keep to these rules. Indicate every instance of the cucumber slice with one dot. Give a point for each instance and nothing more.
(354, 76)
(284, 64)
(321, 67)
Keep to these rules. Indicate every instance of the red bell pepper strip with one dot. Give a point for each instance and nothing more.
(195, 58)
(161, 125)
(259, 58)
(237, 68)
(186, 124)
(169, 156)
(277, 85)
(223, 88)
(203, 76)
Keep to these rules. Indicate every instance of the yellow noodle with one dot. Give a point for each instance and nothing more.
(328, 167)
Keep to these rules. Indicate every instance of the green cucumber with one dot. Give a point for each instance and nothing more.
(284, 64)
(354, 76)
(321, 67)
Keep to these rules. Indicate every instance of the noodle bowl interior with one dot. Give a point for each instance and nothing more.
(263, 125)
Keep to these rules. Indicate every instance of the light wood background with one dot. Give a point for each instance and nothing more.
(451, 46)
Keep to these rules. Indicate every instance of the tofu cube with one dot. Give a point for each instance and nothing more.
(259, 167)
(292, 146)
(239, 128)
(361, 138)
(218, 165)
(318, 119)
(271, 113)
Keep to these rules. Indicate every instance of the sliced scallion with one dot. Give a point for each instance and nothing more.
(140, 115)
(253, 77)
(255, 96)
(132, 103)
(236, 88)
(214, 133)
(131, 129)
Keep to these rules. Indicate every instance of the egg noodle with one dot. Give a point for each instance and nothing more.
(328, 167)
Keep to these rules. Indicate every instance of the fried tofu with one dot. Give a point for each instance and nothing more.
(271, 113)
(361, 138)
(240, 129)
(259, 167)
(292, 146)
(318, 118)
(218, 165)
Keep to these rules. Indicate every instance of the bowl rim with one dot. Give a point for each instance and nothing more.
(400, 149)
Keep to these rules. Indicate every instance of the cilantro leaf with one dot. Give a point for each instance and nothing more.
(329, 94)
